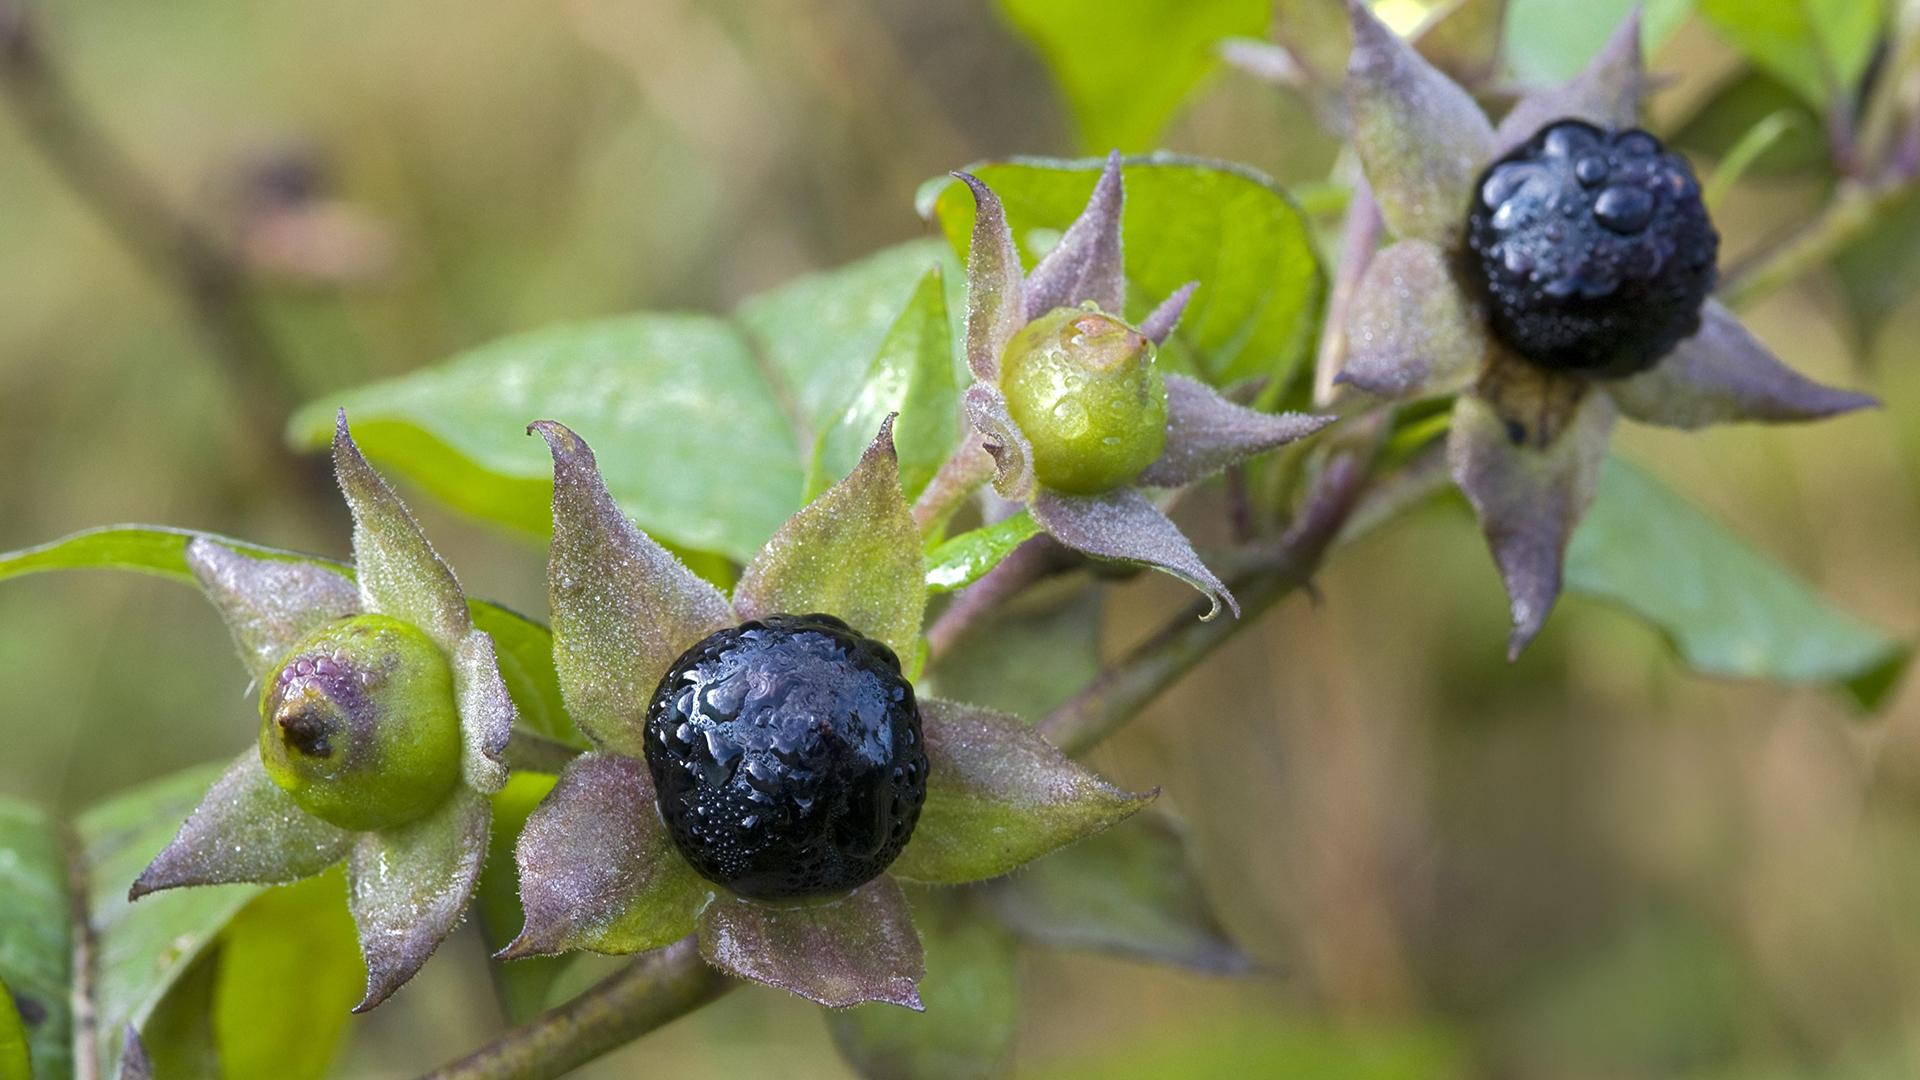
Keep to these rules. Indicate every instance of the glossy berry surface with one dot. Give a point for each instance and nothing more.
(360, 726)
(787, 757)
(1593, 248)
(1084, 388)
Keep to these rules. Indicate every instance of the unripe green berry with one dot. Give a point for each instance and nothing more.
(360, 725)
(1083, 387)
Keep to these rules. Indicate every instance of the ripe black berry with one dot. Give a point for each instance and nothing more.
(787, 756)
(1593, 247)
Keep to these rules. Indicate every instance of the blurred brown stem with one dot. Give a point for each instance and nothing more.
(1270, 572)
(1854, 209)
(169, 245)
(654, 990)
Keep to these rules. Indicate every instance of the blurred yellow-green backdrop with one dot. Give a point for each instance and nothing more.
(1591, 864)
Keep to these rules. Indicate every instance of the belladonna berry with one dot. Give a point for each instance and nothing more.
(786, 753)
(360, 725)
(1083, 387)
(1593, 247)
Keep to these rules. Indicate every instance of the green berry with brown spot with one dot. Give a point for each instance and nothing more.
(1084, 389)
(360, 725)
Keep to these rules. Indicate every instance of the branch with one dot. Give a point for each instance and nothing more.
(174, 249)
(1270, 573)
(1854, 209)
(651, 992)
(959, 477)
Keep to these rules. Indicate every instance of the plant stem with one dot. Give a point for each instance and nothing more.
(1121, 691)
(654, 990)
(1854, 209)
(174, 249)
(1026, 564)
(530, 751)
(1358, 239)
(959, 477)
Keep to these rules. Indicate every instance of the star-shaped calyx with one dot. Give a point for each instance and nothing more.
(1553, 272)
(762, 767)
(384, 722)
(1068, 399)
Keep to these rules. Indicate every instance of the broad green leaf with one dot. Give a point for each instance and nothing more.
(818, 334)
(36, 949)
(287, 972)
(704, 425)
(971, 990)
(696, 445)
(853, 552)
(1549, 41)
(522, 986)
(962, 560)
(524, 647)
(142, 948)
(1125, 66)
(1131, 890)
(1727, 609)
(912, 375)
(1819, 47)
(15, 1060)
(999, 796)
(1228, 227)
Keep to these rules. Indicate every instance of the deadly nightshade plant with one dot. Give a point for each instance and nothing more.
(762, 769)
(1068, 398)
(1554, 273)
(384, 719)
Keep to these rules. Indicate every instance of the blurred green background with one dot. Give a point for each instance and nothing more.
(1589, 864)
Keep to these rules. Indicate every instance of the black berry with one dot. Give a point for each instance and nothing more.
(787, 756)
(1593, 248)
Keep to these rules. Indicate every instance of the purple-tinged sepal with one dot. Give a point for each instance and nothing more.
(996, 297)
(398, 571)
(1206, 433)
(1724, 374)
(246, 829)
(623, 607)
(1411, 331)
(1087, 264)
(1124, 525)
(841, 952)
(268, 604)
(598, 870)
(408, 887)
(1012, 455)
(1609, 92)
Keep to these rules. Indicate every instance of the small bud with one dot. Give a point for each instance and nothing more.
(1085, 391)
(360, 724)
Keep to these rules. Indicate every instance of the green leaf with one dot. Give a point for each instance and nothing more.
(1727, 609)
(971, 990)
(912, 374)
(1226, 226)
(819, 333)
(142, 949)
(1125, 66)
(1549, 41)
(36, 950)
(704, 426)
(965, 559)
(1131, 890)
(287, 972)
(1818, 47)
(693, 440)
(525, 648)
(999, 796)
